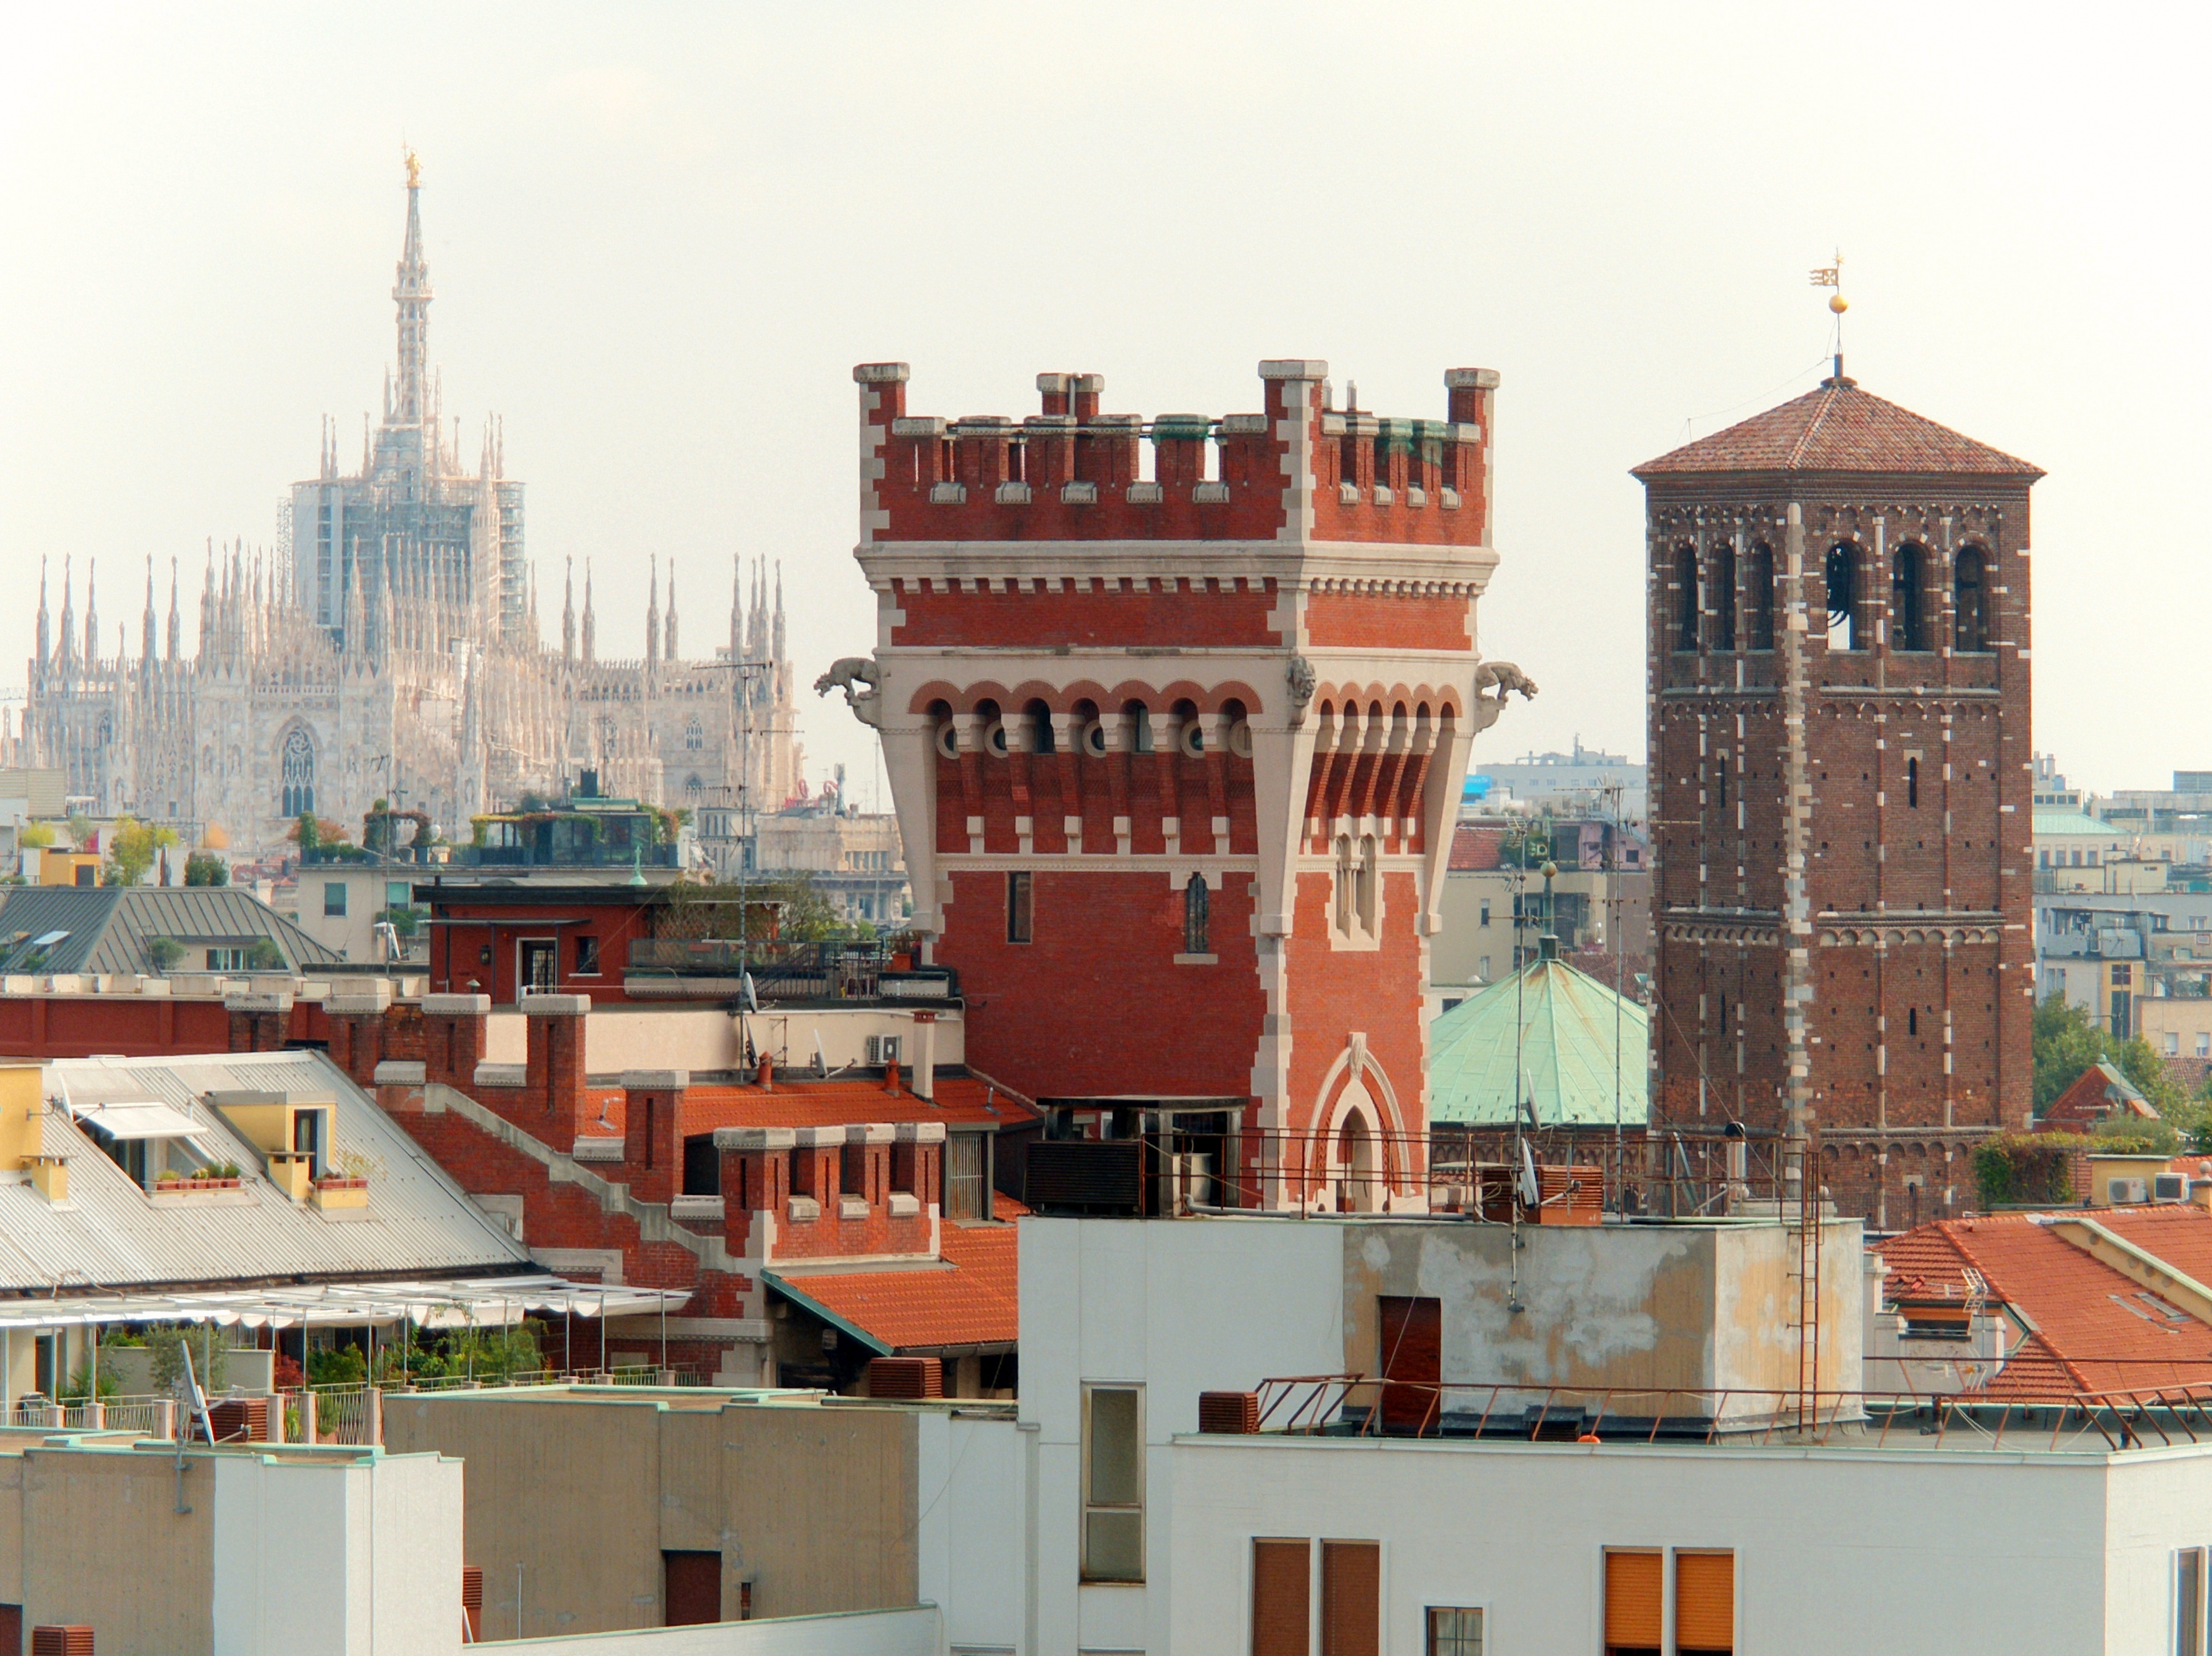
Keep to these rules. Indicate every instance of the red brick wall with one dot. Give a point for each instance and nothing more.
(1144, 787)
(1095, 1004)
(1377, 992)
(77, 1026)
(1375, 621)
(1198, 611)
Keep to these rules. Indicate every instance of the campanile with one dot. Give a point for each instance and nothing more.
(1176, 749)
(1837, 597)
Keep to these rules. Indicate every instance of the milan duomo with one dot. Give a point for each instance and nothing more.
(392, 650)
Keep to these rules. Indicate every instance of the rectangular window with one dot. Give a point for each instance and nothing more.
(1020, 917)
(963, 1175)
(1195, 915)
(2204, 1044)
(396, 894)
(1350, 1598)
(587, 957)
(2189, 1602)
(1704, 1603)
(1113, 1483)
(1454, 1632)
(2172, 1043)
(802, 1170)
(334, 898)
(1633, 1584)
(853, 1169)
(906, 1166)
(1282, 1597)
(226, 960)
(1485, 915)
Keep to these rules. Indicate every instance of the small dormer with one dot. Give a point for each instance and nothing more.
(292, 1130)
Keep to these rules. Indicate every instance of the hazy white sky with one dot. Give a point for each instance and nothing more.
(661, 238)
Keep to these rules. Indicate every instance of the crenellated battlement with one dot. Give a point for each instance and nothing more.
(1300, 470)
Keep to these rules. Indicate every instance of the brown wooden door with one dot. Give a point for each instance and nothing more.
(1351, 1598)
(690, 1588)
(1413, 1357)
(1282, 1597)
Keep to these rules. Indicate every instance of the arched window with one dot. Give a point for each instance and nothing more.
(1725, 598)
(1972, 598)
(1686, 599)
(1196, 903)
(1758, 587)
(1908, 581)
(1842, 569)
(694, 790)
(695, 734)
(298, 774)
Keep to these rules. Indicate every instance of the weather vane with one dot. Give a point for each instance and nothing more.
(1832, 276)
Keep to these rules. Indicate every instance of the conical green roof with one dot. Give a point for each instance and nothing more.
(1566, 1022)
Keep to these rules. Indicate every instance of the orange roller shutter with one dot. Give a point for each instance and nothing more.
(1633, 1584)
(1282, 1596)
(1350, 1598)
(1705, 1603)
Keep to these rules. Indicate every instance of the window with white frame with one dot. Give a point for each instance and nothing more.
(2189, 1602)
(1113, 1483)
(1454, 1632)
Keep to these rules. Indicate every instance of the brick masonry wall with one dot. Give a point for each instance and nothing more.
(1095, 1004)
(1918, 764)
(1099, 614)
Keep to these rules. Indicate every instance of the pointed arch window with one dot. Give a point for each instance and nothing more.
(695, 734)
(1725, 598)
(297, 774)
(1197, 903)
(1686, 599)
(1758, 588)
(1908, 581)
(1971, 602)
(1841, 570)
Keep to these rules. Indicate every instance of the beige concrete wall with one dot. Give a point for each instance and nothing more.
(705, 1038)
(101, 1542)
(815, 1508)
(1658, 1308)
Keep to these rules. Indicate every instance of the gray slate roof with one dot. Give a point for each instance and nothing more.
(418, 1222)
(108, 926)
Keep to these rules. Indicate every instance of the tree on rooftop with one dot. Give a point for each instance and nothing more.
(35, 835)
(2068, 1040)
(132, 846)
(206, 868)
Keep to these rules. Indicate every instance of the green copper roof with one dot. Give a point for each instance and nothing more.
(1566, 1020)
(2048, 822)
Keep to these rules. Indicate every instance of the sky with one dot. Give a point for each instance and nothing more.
(661, 236)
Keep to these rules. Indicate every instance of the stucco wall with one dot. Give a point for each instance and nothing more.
(705, 1038)
(868, 1633)
(815, 1508)
(102, 1543)
(1837, 1552)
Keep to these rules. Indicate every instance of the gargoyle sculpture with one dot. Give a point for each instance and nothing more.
(856, 676)
(1505, 679)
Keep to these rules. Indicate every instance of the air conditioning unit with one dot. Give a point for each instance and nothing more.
(884, 1048)
(2120, 1192)
(2170, 1187)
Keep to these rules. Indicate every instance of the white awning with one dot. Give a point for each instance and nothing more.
(480, 1302)
(145, 1120)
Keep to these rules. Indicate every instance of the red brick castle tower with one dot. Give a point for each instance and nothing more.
(1841, 767)
(1177, 756)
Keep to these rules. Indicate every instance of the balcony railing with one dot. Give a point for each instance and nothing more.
(790, 971)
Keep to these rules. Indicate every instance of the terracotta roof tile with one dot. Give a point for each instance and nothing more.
(2097, 1329)
(2099, 1091)
(970, 1300)
(1837, 428)
(1475, 847)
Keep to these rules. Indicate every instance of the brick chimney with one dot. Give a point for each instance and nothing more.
(453, 1036)
(652, 1132)
(553, 1075)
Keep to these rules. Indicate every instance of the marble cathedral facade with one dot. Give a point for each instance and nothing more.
(392, 649)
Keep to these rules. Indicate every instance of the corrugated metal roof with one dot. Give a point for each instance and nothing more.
(109, 926)
(1562, 1022)
(111, 1234)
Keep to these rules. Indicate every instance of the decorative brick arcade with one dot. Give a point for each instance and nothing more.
(1840, 754)
(1177, 756)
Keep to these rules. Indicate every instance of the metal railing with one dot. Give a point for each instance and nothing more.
(1365, 1405)
(1472, 1171)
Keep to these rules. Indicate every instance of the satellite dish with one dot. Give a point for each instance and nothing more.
(752, 1001)
(1531, 1194)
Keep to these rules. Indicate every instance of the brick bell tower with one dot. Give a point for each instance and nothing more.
(1177, 756)
(1838, 660)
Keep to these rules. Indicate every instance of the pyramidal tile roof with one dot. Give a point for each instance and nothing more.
(1838, 427)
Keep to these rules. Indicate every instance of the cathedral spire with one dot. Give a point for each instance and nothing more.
(66, 650)
(737, 605)
(668, 641)
(152, 626)
(653, 615)
(778, 656)
(176, 620)
(590, 626)
(568, 612)
(45, 629)
(411, 294)
(91, 613)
